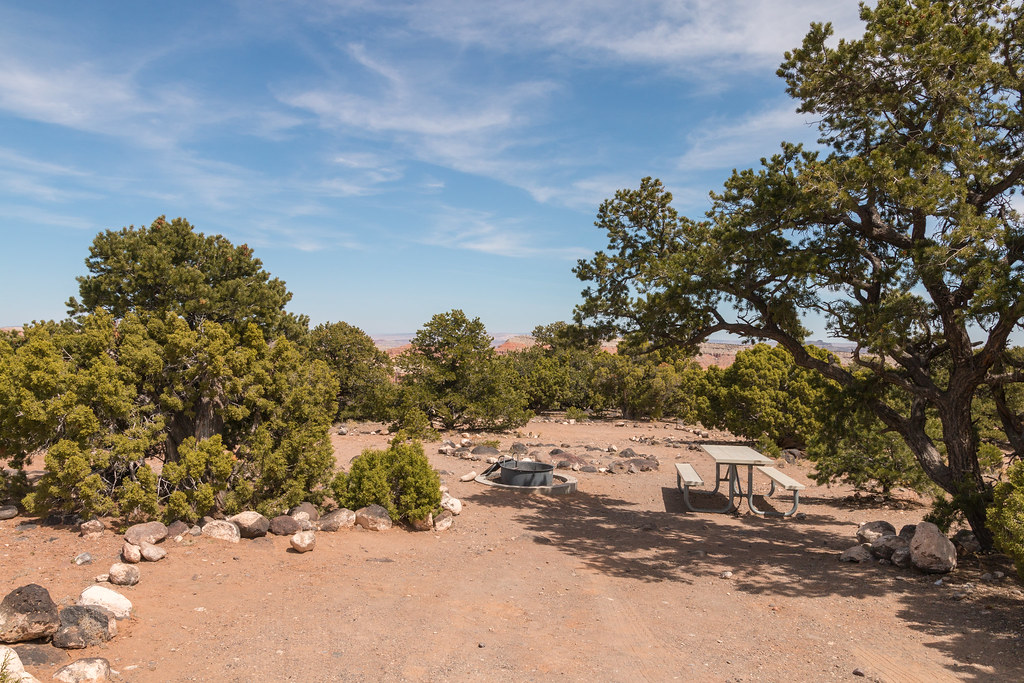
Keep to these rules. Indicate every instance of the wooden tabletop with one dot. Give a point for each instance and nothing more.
(736, 455)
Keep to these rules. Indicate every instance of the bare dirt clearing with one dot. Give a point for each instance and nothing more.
(613, 583)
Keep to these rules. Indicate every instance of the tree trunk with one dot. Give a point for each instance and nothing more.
(961, 441)
(204, 424)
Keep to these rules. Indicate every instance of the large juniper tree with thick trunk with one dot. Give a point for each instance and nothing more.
(902, 236)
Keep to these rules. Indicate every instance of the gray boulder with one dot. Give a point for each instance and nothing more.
(901, 557)
(121, 574)
(867, 533)
(83, 626)
(485, 451)
(303, 542)
(150, 532)
(931, 551)
(177, 528)
(284, 525)
(966, 543)
(222, 530)
(342, 518)
(8, 511)
(908, 530)
(374, 518)
(308, 508)
(27, 613)
(251, 524)
(858, 553)
(884, 546)
(152, 553)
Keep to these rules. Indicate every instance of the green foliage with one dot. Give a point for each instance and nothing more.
(170, 268)
(202, 470)
(1006, 516)
(399, 479)
(235, 418)
(763, 395)
(574, 413)
(901, 236)
(365, 387)
(452, 374)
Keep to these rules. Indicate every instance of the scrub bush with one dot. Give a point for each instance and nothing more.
(399, 479)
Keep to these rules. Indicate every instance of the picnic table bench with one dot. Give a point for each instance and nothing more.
(732, 457)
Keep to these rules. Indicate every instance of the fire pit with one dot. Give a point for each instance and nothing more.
(526, 475)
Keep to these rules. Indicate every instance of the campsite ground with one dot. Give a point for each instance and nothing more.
(613, 583)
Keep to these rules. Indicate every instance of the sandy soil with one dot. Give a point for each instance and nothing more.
(613, 583)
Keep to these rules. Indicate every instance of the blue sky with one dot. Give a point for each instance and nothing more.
(388, 160)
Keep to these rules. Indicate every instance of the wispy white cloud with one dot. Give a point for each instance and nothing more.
(685, 35)
(726, 144)
(484, 232)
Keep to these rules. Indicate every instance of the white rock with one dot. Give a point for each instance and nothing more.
(222, 531)
(152, 553)
(453, 505)
(304, 541)
(443, 521)
(301, 516)
(124, 574)
(105, 597)
(468, 476)
(15, 669)
(93, 670)
(131, 553)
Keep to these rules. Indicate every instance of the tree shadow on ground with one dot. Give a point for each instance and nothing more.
(769, 556)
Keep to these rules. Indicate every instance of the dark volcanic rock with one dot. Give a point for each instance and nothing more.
(284, 525)
(83, 626)
(27, 613)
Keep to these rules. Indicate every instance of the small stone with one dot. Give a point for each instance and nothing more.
(342, 518)
(83, 558)
(998, 575)
(303, 541)
(120, 606)
(83, 626)
(222, 530)
(283, 525)
(102, 578)
(867, 533)
(91, 528)
(858, 553)
(858, 672)
(124, 574)
(453, 505)
(152, 553)
(150, 532)
(251, 524)
(444, 521)
(27, 613)
(986, 577)
(311, 512)
(725, 575)
(468, 476)
(131, 553)
(92, 670)
(177, 528)
(373, 518)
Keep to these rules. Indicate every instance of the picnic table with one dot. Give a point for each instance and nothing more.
(732, 458)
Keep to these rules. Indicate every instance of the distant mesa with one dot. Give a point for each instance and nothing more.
(714, 353)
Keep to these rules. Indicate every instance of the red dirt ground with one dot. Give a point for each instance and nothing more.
(613, 583)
